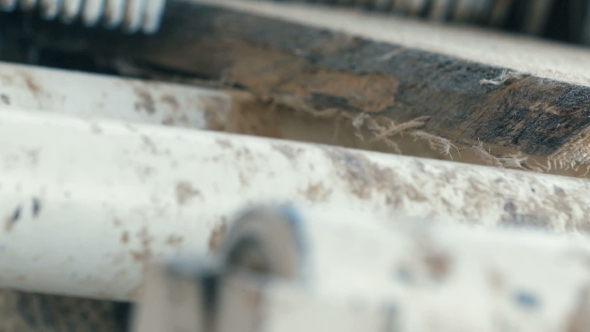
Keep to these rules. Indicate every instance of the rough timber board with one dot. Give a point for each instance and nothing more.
(317, 69)
(386, 68)
(556, 61)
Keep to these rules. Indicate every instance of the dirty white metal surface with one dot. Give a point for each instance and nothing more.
(384, 277)
(86, 201)
(130, 15)
(82, 94)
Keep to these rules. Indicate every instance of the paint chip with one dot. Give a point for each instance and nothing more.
(9, 223)
(185, 192)
(36, 207)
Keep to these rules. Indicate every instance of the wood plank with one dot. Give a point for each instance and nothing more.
(467, 86)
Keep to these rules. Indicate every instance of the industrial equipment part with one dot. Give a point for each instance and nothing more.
(87, 201)
(277, 271)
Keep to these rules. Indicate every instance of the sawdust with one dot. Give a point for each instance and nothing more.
(390, 128)
(438, 143)
(382, 133)
(573, 153)
(382, 128)
(512, 160)
(486, 155)
(559, 163)
(298, 104)
(358, 122)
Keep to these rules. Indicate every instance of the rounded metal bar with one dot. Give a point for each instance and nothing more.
(86, 202)
(131, 100)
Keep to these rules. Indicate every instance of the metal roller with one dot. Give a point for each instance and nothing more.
(132, 16)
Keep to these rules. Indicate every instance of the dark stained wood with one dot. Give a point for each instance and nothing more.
(331, 73)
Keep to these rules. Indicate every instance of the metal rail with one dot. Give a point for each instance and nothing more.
(87, 202)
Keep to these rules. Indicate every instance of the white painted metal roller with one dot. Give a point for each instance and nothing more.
(86, 201)
(60, 91)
